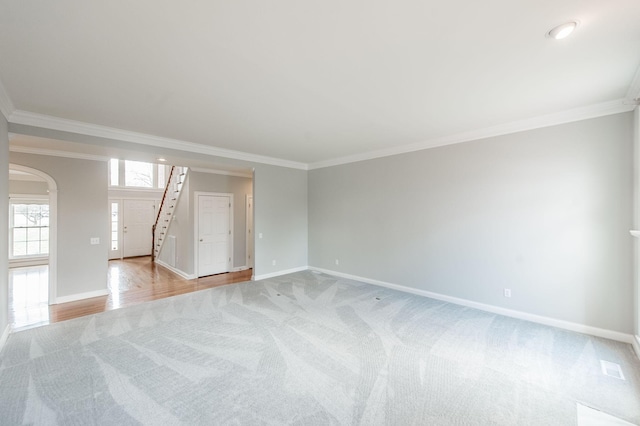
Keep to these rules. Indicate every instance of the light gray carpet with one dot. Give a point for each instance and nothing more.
(309, 349)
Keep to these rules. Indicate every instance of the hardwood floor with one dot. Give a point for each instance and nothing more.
(130, 281)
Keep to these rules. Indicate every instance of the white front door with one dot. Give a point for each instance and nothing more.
(214, 234)
(138, 218)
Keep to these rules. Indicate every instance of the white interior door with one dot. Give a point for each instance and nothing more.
(138, 218)
(214, 234)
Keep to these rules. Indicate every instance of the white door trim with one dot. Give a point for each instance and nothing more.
(196, 233)
(250, 242)
(119, 255)
(53, 227)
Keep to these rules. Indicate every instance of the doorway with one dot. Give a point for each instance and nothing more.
(16, 170)
(213, 233)
(131, 221)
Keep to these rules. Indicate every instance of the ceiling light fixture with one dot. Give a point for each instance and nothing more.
(162, 159)
(562, 31)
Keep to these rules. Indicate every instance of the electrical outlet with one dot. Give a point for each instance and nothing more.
(507, 292)
(260, 235)
(273, 262)
(337, 262)
(95, 241)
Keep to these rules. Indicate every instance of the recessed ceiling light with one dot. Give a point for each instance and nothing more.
(562, 31)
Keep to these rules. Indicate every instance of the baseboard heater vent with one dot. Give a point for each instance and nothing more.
(611, 369)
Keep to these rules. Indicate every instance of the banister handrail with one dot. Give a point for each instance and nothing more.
(153, 228)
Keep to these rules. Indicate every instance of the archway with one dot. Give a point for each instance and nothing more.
(53, 225)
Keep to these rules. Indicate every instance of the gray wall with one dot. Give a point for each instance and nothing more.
(4, 219)
(28, 187)
(545, 213)
(82, 214)
(280, 214)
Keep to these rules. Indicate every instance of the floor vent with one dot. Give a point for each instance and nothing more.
(611, 369)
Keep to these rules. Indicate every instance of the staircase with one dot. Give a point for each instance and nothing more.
(168, 205)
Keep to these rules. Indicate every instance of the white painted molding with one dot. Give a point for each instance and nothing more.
(577, 114)
(176, 270)
(636, 345)
(81, 296)
(53, 123)
(279, 273)
(6, 106)
(4, 337)
(566, 325)
(56, 153)
(221, 172)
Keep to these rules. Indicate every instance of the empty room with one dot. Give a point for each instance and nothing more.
(312, 213)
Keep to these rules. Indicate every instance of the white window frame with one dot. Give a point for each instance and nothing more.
(121, 177)
(27, 199)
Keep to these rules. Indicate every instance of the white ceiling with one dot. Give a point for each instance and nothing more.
(315, 81)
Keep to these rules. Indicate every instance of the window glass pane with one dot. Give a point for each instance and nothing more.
(137, 173)
(19, 248)
(19, 215)
(114, 171)
(19, 235)
(44, 234)
(33, 234)
(33, 247)
(44, 247)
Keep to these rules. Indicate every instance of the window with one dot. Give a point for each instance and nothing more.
(136, 174)
(114, 226)
(29, 229)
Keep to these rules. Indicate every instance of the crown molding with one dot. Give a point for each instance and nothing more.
(53, 123)
(568, 116)
(56, 153)
(6, 106)
(221, 172)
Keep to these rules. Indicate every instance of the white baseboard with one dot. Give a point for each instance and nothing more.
(176, 270)
(566, 325)
(4, 337)
(81, 296)
(240, 268)
(278, 273)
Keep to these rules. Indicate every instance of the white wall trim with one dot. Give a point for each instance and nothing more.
(176, 270)
(82, 296)
(221, 172)
(566, 325)
(53, 123)
(56, 153)
(5, 336)
(6, 106)
(577, 114)
(636, 345)
(279, 273)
